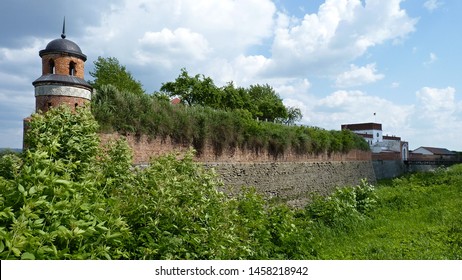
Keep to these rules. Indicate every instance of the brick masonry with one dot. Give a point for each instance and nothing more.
(290, 178)
(61, 63)
(44, 102)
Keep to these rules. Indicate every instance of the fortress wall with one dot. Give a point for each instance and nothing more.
(144, 148)
(387, 169)
(293, 182)
(290, 177)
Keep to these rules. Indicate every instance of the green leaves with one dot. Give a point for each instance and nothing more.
(343, 206)
(108, 71)
(67, 198)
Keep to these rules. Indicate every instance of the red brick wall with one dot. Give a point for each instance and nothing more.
(145, 148)
(386, 156)
(41, 102)
(62, 65)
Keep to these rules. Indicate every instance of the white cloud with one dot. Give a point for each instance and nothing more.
(356, 107)
(395, 85)
(431, 59)
(432, 5)
(341, 31)
(228, 26)
(436, 101)
(358, 76)
(438, 117)
(167, 46)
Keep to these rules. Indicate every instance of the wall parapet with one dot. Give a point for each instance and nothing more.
(290, 177)
(144, 148)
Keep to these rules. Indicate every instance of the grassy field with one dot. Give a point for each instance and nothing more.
(416, 217)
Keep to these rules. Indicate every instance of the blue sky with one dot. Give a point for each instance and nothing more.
(339, 61)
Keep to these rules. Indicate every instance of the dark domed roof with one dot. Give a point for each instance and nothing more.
(63, 46)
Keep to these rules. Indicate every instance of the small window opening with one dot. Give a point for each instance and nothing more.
(72, 68)
(76, 105)
(51, 65)
(49, 105)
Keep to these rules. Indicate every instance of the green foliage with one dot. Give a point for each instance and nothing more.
(416, 217)
(108, 71)
(344, 206)
(65, 136)
(224, 130)
(52, 202)
(87, 202)
(260, 100)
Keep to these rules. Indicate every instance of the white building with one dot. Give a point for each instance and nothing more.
(379, 143)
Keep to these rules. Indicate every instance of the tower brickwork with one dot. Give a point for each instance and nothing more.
(62, 80)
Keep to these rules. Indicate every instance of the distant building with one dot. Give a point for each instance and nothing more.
(433, 154)
(383, 147)
(175, 101)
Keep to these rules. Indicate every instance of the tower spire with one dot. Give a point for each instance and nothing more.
(63, 35)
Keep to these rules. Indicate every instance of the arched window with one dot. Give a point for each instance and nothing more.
(51, 65)
(72, 68)
(76, 105)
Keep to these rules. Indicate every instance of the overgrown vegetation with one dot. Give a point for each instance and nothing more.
(418, 216)
(260, 101)
(67, 198)
(145, 114)
(225, 117)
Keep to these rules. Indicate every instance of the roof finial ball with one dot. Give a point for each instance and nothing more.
(63, 35)
(62, 80)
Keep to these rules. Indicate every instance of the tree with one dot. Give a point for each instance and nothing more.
(293, 115)
(268, 104)
(108, 71)
(197, 90)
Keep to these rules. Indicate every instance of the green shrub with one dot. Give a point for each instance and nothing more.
(229, 129)
(52, 205)
(345, 206)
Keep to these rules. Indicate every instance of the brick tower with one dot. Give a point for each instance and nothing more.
(62, 80)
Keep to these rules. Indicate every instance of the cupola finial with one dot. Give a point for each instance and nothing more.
(63, 35)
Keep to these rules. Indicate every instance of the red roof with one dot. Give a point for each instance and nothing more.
(175, 101)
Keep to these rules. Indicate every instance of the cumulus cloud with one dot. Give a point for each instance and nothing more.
(439, 115)
(358, 76)
(353, 106)
(432, 5)
(166, 46)
(436, 101)
(227, 25)
(341, 31)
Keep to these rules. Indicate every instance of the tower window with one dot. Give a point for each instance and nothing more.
(72, 68)
(51, 65)
(49, 105)
(76, 105)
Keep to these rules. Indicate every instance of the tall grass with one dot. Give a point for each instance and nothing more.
(66, 198)
(416, 217)
(223, 130)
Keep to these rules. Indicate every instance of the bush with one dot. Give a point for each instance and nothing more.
(85, 202)
(195, 126)
(344, 207)
(53, 203)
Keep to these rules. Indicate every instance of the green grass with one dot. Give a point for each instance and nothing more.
(417, 217)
